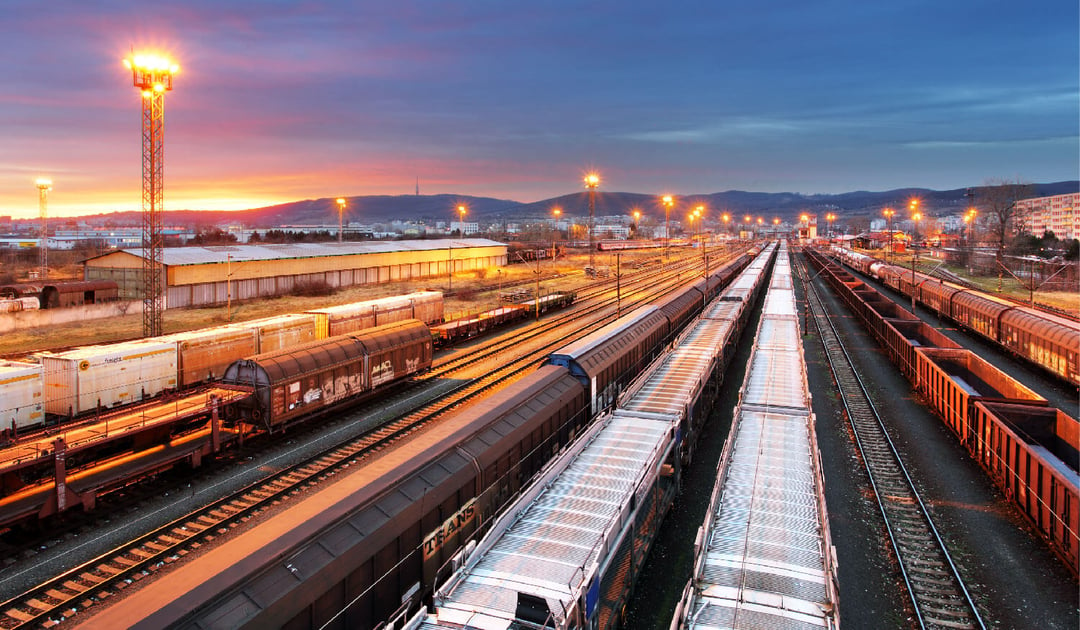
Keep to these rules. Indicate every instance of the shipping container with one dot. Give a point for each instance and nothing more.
(84, 379)
(21, 403)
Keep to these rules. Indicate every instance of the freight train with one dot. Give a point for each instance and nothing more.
(90, 379)
(1050, 341)
(764, 553)
(374, 544)
(1028, 449)
(569, 551)
(449, 333)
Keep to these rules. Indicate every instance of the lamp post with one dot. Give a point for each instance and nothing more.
(592, 180)
(776, 227)
(461, 210)
(829, 218)
(915, 234)
(669, 203)
(637, 222)
(340, 217)
(888, 212)
(555, 234)
(727, 219)
(44, 186)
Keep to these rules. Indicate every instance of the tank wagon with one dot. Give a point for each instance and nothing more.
(296, 382)
(764, 554)
(1047, 340)
(1033, 461)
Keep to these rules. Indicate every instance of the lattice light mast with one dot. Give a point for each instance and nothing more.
(592, 180)
(153, 76)
(44, 186)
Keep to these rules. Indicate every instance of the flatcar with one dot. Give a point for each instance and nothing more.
(295, 382)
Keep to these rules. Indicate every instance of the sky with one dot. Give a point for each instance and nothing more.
(278, 101)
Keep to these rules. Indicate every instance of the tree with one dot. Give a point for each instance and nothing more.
(997, 199)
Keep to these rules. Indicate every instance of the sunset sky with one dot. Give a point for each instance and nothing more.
(278, 101)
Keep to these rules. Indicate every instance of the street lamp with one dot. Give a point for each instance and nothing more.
(555, 234)
(44, 186)
(888, 212)
(727, 219)
(829, 218)
(669, 203)
(637, 222)
(915, 235)
(592, 180)
(461, 210)
(340, 217)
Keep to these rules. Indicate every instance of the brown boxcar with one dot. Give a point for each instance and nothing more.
(1031, 453)
(65, 294)
(954, 379)
(1051, 344)
(298, 381)
(977, 313)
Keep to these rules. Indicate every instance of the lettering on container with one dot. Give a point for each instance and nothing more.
(434, 541)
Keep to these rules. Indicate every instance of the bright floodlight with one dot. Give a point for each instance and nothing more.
(592, 180)
(151, 72)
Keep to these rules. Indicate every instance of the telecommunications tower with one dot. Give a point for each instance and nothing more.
(153, 76)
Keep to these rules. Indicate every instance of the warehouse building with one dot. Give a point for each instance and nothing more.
(198, 276)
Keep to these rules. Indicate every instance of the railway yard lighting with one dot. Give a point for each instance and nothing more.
(669, 203)
(555, 234)
(829, 218)
(888, 212)
(44, 186)
(152, 75)
(461, 210)
(340, 216)
(592, 180)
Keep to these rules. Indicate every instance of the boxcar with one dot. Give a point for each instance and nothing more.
(1051, 344)
(296, 382)
(607, 359)
(203, 355)
(977, 313)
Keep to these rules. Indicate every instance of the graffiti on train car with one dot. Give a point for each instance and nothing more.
(434, 541)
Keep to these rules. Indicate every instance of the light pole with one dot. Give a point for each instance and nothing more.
(340, 217)
(913, 206)
(461, 210)
(727, 219)
(592, 180)
(637, 222)
(669, 203)
(153, 76)
(915, 234)
(44, 186)
(888, 212)
(747, 221)
(829, 218)
(776, 227)
(555, 234)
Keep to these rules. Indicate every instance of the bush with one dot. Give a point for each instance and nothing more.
(312, 288)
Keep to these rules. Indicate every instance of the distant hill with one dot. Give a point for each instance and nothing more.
(433, 208)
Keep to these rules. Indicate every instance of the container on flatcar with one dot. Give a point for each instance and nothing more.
(84, 379)
(1031, 453)
(953, 379)
(283, 331)
(21, 403)
(203, 355)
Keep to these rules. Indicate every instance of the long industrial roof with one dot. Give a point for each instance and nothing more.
(239, 253)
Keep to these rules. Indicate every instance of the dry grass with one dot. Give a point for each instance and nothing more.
(473, 291)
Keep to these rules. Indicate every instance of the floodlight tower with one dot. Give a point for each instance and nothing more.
(44, 186)
(592, 180)
(153, 76)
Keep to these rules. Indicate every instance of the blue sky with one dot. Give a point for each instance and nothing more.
(278, 101)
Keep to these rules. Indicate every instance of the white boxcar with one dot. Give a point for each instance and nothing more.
(21, 403)
(79, 380)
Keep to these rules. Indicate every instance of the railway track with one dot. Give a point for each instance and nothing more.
(63, 596)
(934, 585)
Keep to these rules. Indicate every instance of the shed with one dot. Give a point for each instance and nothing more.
(197, 276)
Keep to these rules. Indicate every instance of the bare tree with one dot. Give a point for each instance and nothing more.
(997, 198)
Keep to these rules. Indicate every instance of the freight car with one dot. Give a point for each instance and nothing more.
(426, 306)
(1050, 341)
(964, 390)
(452, 332)
(296, 382)
(21, 403)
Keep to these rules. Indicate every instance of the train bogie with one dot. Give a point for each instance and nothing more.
(101, 377)
(21, 403)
